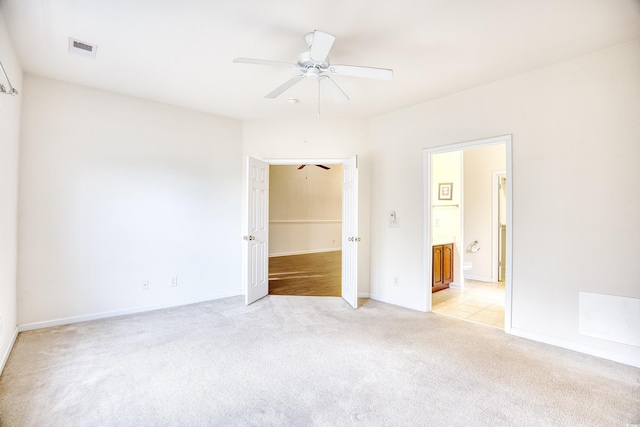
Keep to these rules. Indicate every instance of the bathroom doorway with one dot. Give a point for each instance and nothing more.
(470, 218)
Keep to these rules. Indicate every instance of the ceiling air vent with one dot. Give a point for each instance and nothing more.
(81, 48)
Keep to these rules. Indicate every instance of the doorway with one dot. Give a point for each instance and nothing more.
(473, 269)
(305, 230)
(256, 255)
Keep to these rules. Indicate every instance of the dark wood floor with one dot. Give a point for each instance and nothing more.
(317, 274)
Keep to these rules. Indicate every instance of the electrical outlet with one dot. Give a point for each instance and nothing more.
(145, 285)
(395, 281)
(174, 281)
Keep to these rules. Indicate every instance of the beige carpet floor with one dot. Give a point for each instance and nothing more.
(305, 361)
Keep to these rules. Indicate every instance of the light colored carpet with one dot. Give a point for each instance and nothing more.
(305, 361)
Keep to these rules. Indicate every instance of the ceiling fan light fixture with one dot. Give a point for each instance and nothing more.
(313, 73)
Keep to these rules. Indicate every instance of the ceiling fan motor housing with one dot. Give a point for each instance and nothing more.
(312, 68)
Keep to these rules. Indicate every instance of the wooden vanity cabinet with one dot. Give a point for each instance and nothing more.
(442, 267)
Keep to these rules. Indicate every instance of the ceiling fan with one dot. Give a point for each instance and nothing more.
(320, 166)
(314, 64)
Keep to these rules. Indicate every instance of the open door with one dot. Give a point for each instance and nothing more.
(350, 237)
(257, 236)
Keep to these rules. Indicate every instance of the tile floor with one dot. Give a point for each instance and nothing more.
(480, 302)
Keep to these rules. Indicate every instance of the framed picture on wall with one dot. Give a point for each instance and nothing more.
(444, 190)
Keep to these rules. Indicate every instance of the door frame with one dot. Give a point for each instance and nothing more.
(311, 161)
(428, 198)
(495, 228)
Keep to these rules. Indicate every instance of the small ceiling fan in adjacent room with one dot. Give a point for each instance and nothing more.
(320, 166)
(314, 64)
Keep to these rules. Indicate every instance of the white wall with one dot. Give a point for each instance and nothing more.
(479, 165)
(9, 143)
(305, 209)
(446, 221)
(319, 139)
(575, 127)
(446, 168)
(115, 191)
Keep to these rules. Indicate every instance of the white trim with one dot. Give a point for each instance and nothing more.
(313, 251)
(305, 221)
(426, 243)
(581, 348)
(495, 219)
(456, 285)
(363, 295)
(115, 313)
(508, 288)
(5, 358)
(386, 300)
(300, 161)
(427, 248)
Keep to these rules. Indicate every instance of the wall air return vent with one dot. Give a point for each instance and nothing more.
(82, 48)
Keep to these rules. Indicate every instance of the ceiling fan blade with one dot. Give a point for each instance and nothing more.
(367, 72)
(289, 83)
(323, 167)
(301, 166)
(330, 87)
(321, 45)
(264, 62)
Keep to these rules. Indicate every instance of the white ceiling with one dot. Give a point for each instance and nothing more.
(180, 52)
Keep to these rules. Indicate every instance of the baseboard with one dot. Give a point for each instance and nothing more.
(115, 313)
(314, 251)
(580, 348)
(478, 278)
(422, 308)
(455, 285)
(363, 295)
(5, 357)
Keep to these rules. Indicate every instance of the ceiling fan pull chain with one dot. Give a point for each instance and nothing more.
(318, 98)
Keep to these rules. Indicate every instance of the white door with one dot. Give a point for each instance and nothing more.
(257, 237)
(350, 237)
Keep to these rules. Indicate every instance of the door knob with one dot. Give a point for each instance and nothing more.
(249, 238)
